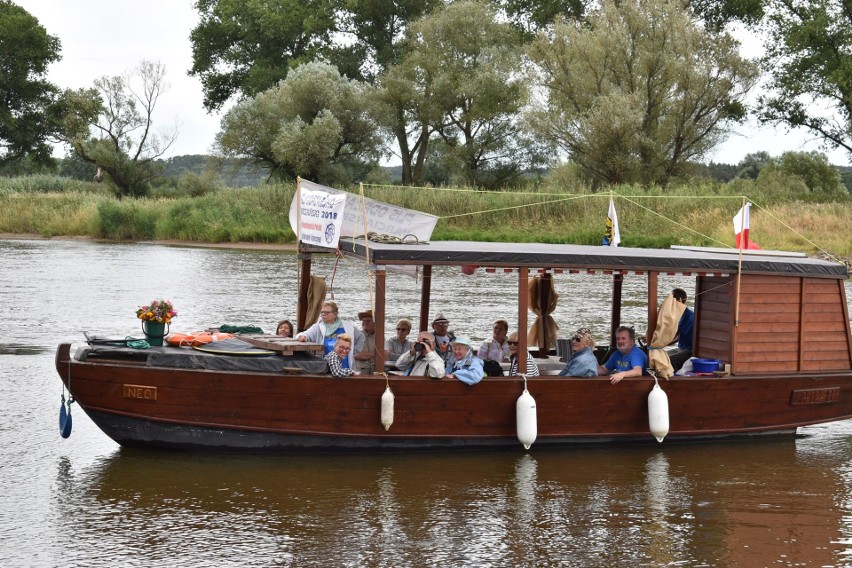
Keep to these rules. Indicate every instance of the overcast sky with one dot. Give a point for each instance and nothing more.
(110, 37)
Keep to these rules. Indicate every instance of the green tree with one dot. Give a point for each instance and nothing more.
(639, 91)
(244, 48)
(26, 50)
(750, 166)
(314, 124)
(814, 169)
(809, 62)
(111, 126)
(468, 74)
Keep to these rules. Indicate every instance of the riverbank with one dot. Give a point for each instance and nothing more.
(289, 247)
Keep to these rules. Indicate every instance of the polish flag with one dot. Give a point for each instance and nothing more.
(741, 225)
(612, 236)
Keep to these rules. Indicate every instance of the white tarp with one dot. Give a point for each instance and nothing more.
(320, 203)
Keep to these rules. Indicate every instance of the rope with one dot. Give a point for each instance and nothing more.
(136, 343)
(391, 239)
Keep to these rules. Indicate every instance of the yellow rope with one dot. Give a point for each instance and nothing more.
(630, 198)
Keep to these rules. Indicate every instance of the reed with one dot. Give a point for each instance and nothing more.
(696, 214)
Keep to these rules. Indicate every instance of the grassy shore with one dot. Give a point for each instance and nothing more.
(260, 216)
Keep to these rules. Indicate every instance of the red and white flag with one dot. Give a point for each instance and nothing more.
(741, 226)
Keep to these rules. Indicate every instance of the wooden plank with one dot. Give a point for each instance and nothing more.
(774, 318)
(817, 298)
(284, 345)
(767, 336)
(826, 326)
(769, 309)
(752, 353)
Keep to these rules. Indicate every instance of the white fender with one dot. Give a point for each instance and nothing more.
(658, 412)
(525, 415)
(387, 408)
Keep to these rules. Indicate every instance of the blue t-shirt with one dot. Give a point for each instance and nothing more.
(635, 358)
(684, 329)
(328, 346)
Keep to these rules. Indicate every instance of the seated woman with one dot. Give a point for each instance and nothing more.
(583, 362)
(396, 346)
(532, 368)
(338, 358)
(464, 364)
(284, 329)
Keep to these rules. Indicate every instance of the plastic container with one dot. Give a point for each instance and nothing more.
(705, 365)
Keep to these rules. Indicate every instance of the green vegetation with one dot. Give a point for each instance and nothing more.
(699, 214)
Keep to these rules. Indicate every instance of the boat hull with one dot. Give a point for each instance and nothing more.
(139, 405)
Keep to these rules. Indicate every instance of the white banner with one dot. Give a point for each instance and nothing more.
(382, 217)
(321, 217)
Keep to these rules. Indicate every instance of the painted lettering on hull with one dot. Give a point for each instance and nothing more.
(815, 396)
(140, 392)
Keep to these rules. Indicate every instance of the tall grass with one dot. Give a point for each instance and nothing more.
(699, 214)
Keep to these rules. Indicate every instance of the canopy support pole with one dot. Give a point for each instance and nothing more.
(523, 308)
(615, 320)
(425, 293)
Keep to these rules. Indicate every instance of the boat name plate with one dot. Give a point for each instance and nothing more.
(140, 392)
(815, 396)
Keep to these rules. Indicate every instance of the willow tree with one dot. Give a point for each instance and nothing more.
(111, 126)
(466, 83)
(314, 124)
(639, 90)
(809, 61)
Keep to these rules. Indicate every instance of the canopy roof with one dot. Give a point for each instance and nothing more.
(587, 257)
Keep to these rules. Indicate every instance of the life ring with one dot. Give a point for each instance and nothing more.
(196, 338)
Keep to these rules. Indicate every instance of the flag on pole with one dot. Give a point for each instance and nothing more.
(612, 236)
(741, 228)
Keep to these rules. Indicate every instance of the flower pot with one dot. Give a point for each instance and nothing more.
(154, 332)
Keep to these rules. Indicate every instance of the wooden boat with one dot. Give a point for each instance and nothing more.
(780, 321)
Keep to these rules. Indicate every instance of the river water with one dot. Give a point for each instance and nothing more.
(84, 501)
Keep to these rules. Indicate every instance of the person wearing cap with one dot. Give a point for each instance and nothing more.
(532, 368)
(464, 365)
(396, 346)
(326, 330)
(443, 337)
(366, 358)
(421, 360)
(582, 362)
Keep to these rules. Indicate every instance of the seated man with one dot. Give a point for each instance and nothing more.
(421, 359)
(443, 337)
(628, 361)
(338, 358)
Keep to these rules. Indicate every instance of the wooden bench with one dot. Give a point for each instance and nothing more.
(283, 345)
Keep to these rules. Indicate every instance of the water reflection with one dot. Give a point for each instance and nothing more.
(691, 505)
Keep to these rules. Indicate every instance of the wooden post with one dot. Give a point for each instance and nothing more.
(304, 259)
(379, 318)
(653, 295)
(615, 320)
(523, 308)
(425, 292)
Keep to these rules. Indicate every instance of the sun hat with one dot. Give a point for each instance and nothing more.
(462, 341)
(440, 319)
(365, 314)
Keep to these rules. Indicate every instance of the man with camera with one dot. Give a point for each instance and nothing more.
(421, 359)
